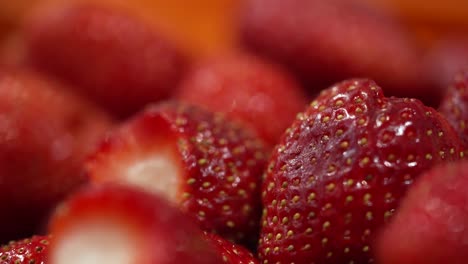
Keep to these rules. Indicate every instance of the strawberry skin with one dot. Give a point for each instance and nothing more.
(117, 224)
(431, 226)
(45, 134)
(113, 58)
(454, 106)
(27, 251)
(230, 252)
(447, 58)
(207, 164)
(259, 93)
(324, 42)
(340, 170)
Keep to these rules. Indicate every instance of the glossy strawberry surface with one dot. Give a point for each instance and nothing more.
(230, 252)
(340, 170)
(26, 251)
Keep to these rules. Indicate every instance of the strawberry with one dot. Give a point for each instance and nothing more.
(110, 56)
(117, 224)
(207, 164)
(247, 88)
(454, 106)
(27, 251)
(340, 170)
(431, 226)
(324, 42)
(230, 252)
(45, 134)
(447, 58)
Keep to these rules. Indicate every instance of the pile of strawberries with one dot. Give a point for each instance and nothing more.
(327, 138)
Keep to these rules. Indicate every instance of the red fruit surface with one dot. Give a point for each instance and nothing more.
(122, 225)
(454, 106)
(259, 93)
(431, 226)
(208, 165)
(324, 42)
(45, 134)
(116, 60)
(27, 251)
(230, 252)
(447, 58)
(340, 171)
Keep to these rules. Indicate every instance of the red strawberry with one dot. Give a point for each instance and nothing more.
(112, 57)
(249, 89)
(340, 170)
(45, 134)
(431, 226)
(327, 41)
(454, 106)
(446, 59)
(27, 251)
(230, 252)
(116, 224)
(208, 165)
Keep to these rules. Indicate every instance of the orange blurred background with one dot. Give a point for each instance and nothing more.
(207, 27)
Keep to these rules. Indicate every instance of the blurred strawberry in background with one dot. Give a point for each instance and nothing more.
(112, 57)
(207, 26)
(324, 42)
(257, 92)
(45, 134)
(201, 27)
(429, 20)
(446, 58)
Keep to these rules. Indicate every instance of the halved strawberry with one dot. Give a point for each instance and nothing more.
(45, 134)
(112, 57)
(122, 225)
(454, 106)
(257, 92)
(431, 226)
(230, 252)
(209, 165)
(324, 42)
(340, 170)
(26, 251)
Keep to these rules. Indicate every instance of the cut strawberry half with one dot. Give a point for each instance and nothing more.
(123, 225)
(209, 165)
(142, 153)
